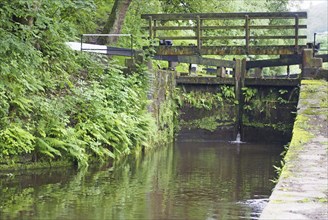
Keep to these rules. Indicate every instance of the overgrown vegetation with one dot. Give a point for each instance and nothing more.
(55, 103)
(261, 108)
(207, 100)
(215, 108)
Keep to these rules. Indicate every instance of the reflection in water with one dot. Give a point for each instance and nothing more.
(188, 181)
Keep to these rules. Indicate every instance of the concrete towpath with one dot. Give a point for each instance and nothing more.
(302, 189)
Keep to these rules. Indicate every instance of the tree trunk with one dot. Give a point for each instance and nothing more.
(114, 22)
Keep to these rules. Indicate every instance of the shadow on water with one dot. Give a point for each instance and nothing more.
(191, 180)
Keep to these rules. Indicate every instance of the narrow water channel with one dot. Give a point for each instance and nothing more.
(191, 180)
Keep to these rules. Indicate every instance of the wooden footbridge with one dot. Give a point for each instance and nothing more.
(197, 38)
(241, 43)
(235, 34)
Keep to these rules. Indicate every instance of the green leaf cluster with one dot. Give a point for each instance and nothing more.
(207, 100)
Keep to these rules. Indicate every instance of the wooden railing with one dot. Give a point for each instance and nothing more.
(219, 29)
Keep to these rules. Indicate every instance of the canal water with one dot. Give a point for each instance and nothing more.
(190, 180)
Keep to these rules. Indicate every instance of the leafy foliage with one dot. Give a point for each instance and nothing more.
(56, 103)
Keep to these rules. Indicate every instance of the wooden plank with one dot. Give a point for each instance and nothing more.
(224, 27)
(277, 26)
(120, 51)
(272, 82)
(206, 61)
(223, 38)
(284, 61)
(252, 15)
(198, 60)
(202, 80)
(278, 37)
(323, 56)
(226, 50)
(171, 28)
(177, 37)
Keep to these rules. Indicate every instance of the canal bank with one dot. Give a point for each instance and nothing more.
(302, 189)
(134, 115)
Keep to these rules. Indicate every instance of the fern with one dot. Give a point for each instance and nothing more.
(44, 148)
(15, 140)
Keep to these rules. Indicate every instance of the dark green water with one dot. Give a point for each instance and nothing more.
(187, 181)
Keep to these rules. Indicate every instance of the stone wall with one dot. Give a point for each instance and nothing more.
(301, 191)
(162, 105)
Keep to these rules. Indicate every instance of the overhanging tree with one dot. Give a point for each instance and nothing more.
(115, 21)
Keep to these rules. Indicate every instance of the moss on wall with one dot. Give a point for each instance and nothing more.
(207, 110)
(163, 106)
(214, 107)
(208, 123)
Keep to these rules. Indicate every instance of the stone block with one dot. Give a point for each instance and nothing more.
(307, 58)
(309, 73)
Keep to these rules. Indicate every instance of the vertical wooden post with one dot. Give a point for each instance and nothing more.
(221, 72)
(198, 35)
(81, 42)
(296, 32)
(258, 72)
(132, 52)
(201, 32)
(154, 28)
(150, 27)
(243, 73)
(240, 72)
(237, 71)
(247, 34)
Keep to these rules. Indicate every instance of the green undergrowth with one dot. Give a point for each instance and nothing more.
(57, 104)
(265, 101)
(98, 115)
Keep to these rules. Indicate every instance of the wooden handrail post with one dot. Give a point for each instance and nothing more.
(154, 28)
(81, 42)
(201, 32)
(198, 34)
(296, 32)
(150, 27)
(247, 33)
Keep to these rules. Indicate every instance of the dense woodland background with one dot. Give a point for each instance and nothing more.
(56, 103)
